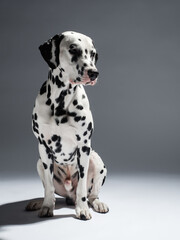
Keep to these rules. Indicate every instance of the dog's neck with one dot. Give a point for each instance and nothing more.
(59, 78)
(59, 87)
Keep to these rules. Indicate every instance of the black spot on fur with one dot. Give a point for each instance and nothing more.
(83, 199)
(77, 119)
(59, 83)
(43, 89)
(79, 107)
(91, 134)
(49, 151)
(52, 108)
(59, 146)
(86, 150)
(61, 97)
(40, 141)
(51, 168)
(44, 165)
(90, 189)
(57, 121)
(49, 91)
(50, 74)
(92, 54)
(78, 137)
(85, 133)
(60, 111)
(72, 114)
(75, 102)
(48, 102)
(35, 117)
(64, 120)
(89, 126)
(60, 108)
(54, 138)
(81, 168)
(35, 126)
(96, 58)
(101, 171)
(103, 181)
(78, 79)
(75, 52)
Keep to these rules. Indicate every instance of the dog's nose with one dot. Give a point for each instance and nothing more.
(93, 74)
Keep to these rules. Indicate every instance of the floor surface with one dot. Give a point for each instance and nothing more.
(141, 207)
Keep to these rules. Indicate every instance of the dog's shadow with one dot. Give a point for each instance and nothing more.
(15, 213)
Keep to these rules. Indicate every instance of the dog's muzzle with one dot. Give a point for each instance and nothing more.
(92, 74)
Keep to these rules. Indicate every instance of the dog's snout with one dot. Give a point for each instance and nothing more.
(92, 74)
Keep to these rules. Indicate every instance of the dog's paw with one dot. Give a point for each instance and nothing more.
(46, 212)
(83, 213)
(99, 207)
(34, 205)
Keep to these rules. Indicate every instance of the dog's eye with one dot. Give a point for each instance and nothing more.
(73, 46)
(75, 51)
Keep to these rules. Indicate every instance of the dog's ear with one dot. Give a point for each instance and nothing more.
(50, 51)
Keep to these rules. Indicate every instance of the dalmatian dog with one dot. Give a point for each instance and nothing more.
(63, 124)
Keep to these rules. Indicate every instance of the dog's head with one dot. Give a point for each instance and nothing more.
(75, 54)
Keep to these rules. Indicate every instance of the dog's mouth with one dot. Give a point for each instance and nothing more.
(84, 80)
(87, 81)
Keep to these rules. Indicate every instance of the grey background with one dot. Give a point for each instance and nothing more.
(136, 101)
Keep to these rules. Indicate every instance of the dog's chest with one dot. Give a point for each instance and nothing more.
(72, 108)
(70, 125)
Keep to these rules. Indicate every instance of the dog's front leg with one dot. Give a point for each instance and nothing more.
(46, 175)
(82, 209)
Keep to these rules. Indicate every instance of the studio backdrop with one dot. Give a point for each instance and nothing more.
(136, 102)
